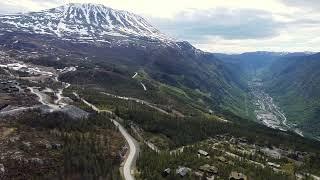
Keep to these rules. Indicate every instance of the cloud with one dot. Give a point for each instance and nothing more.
(9, 9)
(290, 39)
(163, 8)
(308, 4)
(225, 23)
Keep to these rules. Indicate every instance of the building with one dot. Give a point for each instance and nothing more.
(274, 165)
(208, 169)
(199, 174)
(271, 153)
(183, 171)
(166, 172)
(222, 159)
(237, 176)
(202, 153)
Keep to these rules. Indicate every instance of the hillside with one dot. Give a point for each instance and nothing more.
(295, 85)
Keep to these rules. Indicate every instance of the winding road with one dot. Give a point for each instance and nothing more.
(153, 106)
(60, 92)
(134, 148)
(130, 162)
(43, 99)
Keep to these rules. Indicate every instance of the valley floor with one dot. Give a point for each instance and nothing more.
(266, 111)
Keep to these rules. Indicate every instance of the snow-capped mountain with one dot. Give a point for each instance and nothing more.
(84, 22)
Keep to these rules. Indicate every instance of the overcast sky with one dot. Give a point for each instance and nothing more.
(230, 26)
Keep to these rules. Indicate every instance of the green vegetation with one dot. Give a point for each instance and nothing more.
(196, 127)
(227, 154)
(89, 156)
(88, 147)
(152, 164)
(183, 80)
(174, 81)
(295, 86)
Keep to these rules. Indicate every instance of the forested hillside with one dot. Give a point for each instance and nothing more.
(296, 85)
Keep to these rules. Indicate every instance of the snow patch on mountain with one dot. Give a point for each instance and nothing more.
(84, 22)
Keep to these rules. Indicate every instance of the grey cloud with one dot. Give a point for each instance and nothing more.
(228, 24)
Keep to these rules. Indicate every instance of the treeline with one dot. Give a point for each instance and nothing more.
(89, 146)
(188, 130)
(89, 156)
(152, 164)
(312, 164)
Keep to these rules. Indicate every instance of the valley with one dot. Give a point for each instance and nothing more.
(267, 112)
(276, 90)
(90, 92)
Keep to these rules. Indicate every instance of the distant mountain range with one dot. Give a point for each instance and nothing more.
(258, 59)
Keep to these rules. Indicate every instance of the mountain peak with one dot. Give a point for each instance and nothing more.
(85, 5)
(83, 21)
